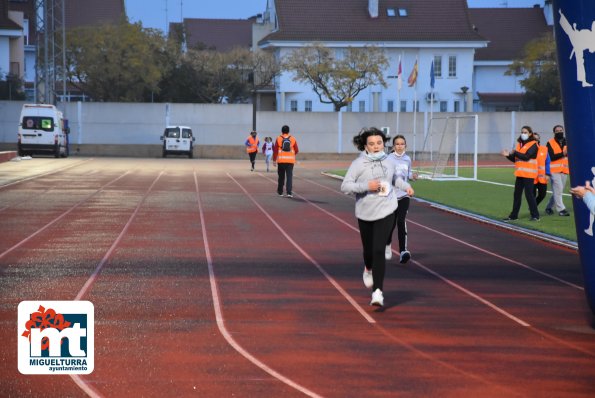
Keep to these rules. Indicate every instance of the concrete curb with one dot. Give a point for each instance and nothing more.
(525, 231)
(6, 156)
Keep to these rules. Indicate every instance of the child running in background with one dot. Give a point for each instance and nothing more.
(403, 171)
(371, 177)
(267, 150)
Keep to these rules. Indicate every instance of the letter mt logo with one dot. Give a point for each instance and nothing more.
(56, 337)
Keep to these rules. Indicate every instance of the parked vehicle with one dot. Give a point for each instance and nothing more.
(178, 140)
(42, 130)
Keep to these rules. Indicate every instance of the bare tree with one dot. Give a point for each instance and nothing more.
(339, 79)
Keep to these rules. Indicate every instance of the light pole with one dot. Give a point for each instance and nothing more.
(464, 90)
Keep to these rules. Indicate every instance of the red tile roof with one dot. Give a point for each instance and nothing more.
(221, 34)
(349, 20)
(508, 30)
(5, 22)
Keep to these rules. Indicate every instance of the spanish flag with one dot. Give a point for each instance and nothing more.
(413, 76)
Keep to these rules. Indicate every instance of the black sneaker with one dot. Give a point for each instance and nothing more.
(549, 212)
(564, 213)
(510, 218)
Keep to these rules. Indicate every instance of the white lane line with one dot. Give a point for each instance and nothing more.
(333, 282)
(107, 255)
(507, 259)
(45, 174)
(219, 313)
(436, 274)
(55, 220)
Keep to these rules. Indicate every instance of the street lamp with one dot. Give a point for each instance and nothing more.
(464, 90)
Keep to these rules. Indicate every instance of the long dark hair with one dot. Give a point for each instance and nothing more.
(361, 139)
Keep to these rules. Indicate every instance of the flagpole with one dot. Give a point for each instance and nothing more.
(399, 84)
(431, 107)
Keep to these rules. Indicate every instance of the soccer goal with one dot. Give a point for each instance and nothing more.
(450, 149)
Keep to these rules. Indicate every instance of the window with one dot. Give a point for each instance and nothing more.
(390, 106)
(26, 31)
(349, 107)
(443, 105)
(308, 106)
(391, 12)
(403, 106)
(186, 133)
(293, 105)
(362, 106)
(173, 132)
(457, 105)
(452, 66)
(402, 12)
(437, 65)
(38, 123)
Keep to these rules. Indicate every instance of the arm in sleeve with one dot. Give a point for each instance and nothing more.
(295, 148)
(275, 151)
(548, 171)
(553, 156)
(401, 184)
(530, 154)
(350, 185)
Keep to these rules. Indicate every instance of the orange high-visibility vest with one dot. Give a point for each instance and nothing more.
(253, 147)
(525, 168)
(285, 157)
(558, 165)
(541, 157)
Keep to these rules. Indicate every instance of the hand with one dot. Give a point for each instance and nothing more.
(578, 191)
(505, 153)
(374, 185)
(414, 176)
(274, 164)
(565, 151)
(410, 191)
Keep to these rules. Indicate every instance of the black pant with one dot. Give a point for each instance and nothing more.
(524, 184)
(400, 223)
(285, 170)
(540, 191)
(252, 156)
(374, 235)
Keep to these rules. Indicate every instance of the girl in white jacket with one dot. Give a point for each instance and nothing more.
(370, 178)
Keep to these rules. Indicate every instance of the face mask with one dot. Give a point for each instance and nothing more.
(559, 136)
(524, 136)
(376, 156)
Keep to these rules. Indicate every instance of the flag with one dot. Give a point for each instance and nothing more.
(432, 81)
(400, 76)
(413, 76)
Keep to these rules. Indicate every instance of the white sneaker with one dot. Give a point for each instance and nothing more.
(368, 279)
(405, 256)
(377, 298)
(388, 252)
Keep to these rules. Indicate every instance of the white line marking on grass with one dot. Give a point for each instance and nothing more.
(219, 313)
(333, 282)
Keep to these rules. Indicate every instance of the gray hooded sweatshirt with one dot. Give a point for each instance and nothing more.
(372, 206)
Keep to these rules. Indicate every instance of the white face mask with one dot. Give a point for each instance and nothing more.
(376, 156)
(524, 136)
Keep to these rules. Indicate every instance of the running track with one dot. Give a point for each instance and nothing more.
(206, 283)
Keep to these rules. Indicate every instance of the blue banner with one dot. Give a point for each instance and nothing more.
(574, 24)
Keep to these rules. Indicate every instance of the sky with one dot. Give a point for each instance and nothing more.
(157, 13)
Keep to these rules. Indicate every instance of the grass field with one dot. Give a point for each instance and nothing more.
(487, 198)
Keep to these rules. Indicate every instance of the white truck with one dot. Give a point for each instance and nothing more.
(42, 130)
(178, 140)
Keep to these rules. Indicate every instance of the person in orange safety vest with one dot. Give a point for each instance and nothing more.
(543, 171)
(284, 152)
(524, 157)
(252, 147)
(559, 167)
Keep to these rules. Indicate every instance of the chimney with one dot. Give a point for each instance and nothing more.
(373, 8)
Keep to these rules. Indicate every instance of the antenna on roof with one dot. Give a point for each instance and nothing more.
(166, 18)
(504, 3)
(181, 10)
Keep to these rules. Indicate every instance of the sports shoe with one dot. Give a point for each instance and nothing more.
(368, 279)
(289, 195)
(388, 252)
(509, 219)
(549, 212)
(534, 219)
(377, 298)
(405, 256)
(280, 194)
(564, 213)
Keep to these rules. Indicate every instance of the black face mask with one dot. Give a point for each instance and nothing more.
(559, 136)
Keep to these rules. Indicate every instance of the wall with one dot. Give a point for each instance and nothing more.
(133, 129)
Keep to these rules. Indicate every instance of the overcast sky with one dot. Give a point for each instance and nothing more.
(157, 13)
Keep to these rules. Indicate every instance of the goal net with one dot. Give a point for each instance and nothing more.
(449, 150)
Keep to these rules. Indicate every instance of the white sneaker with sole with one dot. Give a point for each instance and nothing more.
(377, 298)
(405, 256)
(368, 279)
(388, 252)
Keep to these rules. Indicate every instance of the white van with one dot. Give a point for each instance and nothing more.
(42, 129)
(178, 140)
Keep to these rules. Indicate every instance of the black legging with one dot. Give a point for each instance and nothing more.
(285, 170)
(252, 156)
(400, 223)
(524, 184)
(540, 191)
(374, 235)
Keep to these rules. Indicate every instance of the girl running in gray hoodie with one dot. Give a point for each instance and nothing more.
(370, 178)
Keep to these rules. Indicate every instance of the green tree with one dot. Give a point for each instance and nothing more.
(338, 79)
(11, 87)
(542, 81)
(116, 62)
